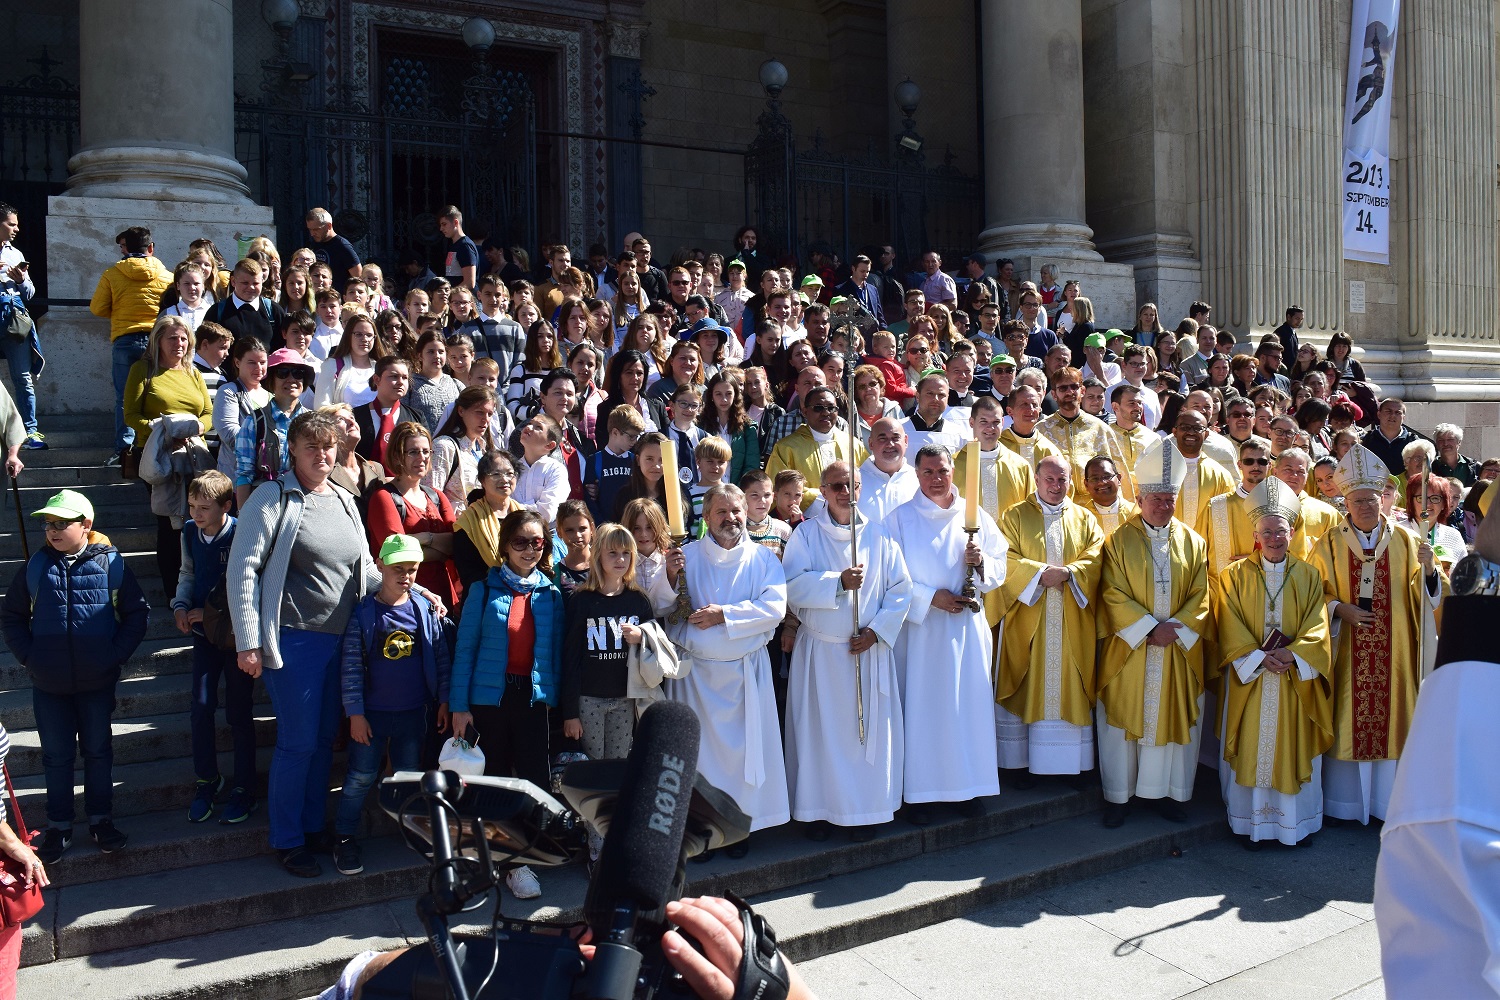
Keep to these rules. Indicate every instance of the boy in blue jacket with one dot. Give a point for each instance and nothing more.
(73, 615)
(395, 666)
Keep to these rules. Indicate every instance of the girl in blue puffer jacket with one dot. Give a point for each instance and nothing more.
(508, 666)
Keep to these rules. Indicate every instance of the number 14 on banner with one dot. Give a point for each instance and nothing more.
(1367, 206)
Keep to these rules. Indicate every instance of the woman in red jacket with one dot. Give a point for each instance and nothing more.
(404, 505)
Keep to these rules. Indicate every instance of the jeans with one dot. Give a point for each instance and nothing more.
(403, 731)
(209, 664)
(65, 722)
(124, 352)
(18, 357)
(305, 694)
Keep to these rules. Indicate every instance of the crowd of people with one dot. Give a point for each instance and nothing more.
(897, 538)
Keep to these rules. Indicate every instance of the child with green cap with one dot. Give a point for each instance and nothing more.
(396, 664)
(73, 615)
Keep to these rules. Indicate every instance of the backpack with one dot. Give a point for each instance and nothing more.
(399, 501)
(267, 445)
(217, 310)
(115, 565)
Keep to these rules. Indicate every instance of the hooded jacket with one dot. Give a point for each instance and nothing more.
(129, 295)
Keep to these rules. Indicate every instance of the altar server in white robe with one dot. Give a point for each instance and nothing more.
(886, 481)
(944, 656)
(738, 595)
(844, 752)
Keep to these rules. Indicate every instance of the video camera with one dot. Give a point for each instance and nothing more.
(654, 811)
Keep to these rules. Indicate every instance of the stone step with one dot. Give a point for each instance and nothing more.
(72, 476)
(1027, 841)
(101, 422)
(135, 698)
(72, 448)
(164, 651)
(112, 500)
(135, 532)
(156, 737)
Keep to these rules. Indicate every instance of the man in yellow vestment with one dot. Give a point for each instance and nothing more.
(1278, 710)
(1131, 436)
(815, 445)
(1077, 435)
(1226, 524)
(1045, 685)
(1318, 518)
(1383, 587)
(1102, 478)
(1206, 479)
(1024, 407)
(1004, 479)
(1153, 598)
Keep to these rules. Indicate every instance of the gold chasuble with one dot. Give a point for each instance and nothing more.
(1228, 530)
(1376, 667)
(1132, 444)
(1047, 647)
(1079, 440)
(801, 450)
(1205, 480)
(1152, 575)
(1033, 449)
(1277, 723)
(1110, 520)
(1004, 481)
(1318, 519)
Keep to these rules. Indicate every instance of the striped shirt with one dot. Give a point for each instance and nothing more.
(4, 753)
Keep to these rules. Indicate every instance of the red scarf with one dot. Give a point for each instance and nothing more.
(383, 436)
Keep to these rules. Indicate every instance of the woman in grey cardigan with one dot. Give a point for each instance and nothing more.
(298, 565)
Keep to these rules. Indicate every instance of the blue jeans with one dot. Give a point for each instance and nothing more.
(18, 357)
(305, 694)
(403, 731)
(124, 352)
(209, 664)
(65, 722)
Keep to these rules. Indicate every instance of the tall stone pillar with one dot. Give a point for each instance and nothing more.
(156, 101)
(1034, 151)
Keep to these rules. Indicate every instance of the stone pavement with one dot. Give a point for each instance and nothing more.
(1220, 922)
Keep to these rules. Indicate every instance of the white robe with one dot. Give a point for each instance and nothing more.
(729, 685)
(833, 776)
(952, 435)
(1437, 900)
(879, 494)
(1265, 813)
(943, 660)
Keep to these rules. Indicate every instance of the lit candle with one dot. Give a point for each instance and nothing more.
(672, 489)
(971, 484)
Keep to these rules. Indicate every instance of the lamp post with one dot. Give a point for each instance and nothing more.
(481, 90)
(282, 79)
(908, 97)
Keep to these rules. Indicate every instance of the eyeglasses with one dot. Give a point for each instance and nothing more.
(824, 408)
(287, 371)
(501, 477)
(838, 487)
(1067, 385)
(679, 283)
(525, 544)
(917, 350)
(1260, 462)
(61, 525)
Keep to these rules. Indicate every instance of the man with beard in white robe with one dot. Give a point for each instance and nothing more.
(944, 655)
(738, 593)
(844, 754)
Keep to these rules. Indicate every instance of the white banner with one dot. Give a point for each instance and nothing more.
(1367, 131)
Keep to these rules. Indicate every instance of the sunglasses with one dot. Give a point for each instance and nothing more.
(288, 371)
(523, 544)
(1260, 462)
(824, 408)
(1067, 385)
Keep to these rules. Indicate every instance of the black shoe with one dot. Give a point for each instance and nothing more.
(861, 834)
(819, 831)
(1021, 781)
(1171, 810)
(919, 815)
(55, 841)
(347, 857)
(1249, 845)
(321, 842)
(1114, 814)
(972, 809)
(106, 836)
(738, 850)
(704, 858)
(300, 862)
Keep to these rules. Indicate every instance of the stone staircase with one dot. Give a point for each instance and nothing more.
(203, 911)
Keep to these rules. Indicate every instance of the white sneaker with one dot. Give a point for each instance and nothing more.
(522, 883)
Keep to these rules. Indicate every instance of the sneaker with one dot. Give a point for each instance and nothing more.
(106, 836)
(299, 861)
(55, 841)
(204, 793)
(113, 461)
(522, 883)
(347, 857)
(241, 805)
(35, 441)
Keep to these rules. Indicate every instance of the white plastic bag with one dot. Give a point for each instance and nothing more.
(461, 756)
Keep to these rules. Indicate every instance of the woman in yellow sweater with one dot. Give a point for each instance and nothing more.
(165, 381)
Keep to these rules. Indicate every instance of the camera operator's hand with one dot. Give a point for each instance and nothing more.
(715, 924)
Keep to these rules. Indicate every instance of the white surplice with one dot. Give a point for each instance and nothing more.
(1437, 900)
(879, 494)
(944, 660)
(729, 685)
(833, 776)
(1265, 813)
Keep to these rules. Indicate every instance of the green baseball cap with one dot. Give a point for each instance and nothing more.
(736, 263)
(812, 279)
(68, 505)
(1111, 334)
(1094, 340)
(400, 549)
(1002, 361)
(838, 300)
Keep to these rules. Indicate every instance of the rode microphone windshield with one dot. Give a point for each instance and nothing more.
(642, 852)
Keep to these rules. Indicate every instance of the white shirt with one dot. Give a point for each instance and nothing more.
(10, 256)
(542, 487)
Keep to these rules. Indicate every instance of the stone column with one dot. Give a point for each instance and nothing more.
(1034, 151)
(156, 106)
